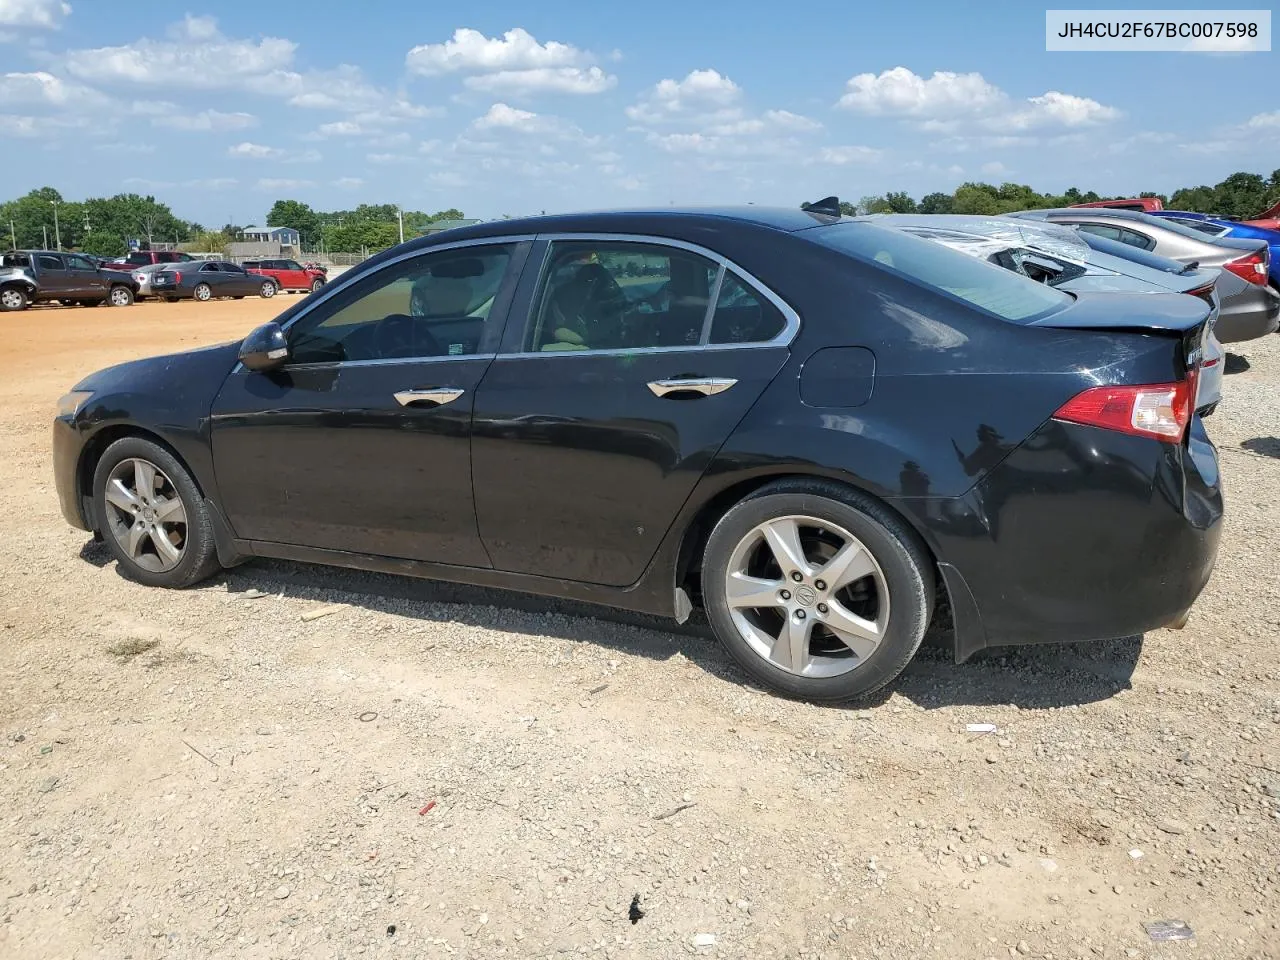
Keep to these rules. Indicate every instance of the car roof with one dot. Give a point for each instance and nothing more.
(680, 219)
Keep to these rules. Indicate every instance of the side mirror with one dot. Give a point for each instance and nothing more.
(265, 348)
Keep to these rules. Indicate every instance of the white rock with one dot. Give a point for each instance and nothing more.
(704, 940)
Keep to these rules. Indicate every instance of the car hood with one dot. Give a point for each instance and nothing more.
(202, 369)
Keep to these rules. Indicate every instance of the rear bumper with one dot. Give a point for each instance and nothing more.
(1248, 315)
(1080, 534)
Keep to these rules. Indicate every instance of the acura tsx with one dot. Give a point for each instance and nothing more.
(818, 429)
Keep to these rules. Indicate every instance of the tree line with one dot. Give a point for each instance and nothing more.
(99, 225)
(1241, 195)
(368, 227)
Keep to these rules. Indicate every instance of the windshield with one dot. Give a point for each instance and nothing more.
(990, 288)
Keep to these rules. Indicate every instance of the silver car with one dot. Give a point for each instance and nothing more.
(1063, 258)
(1250, 308)
(142, 274)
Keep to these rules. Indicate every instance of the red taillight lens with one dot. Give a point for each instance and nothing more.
(177, 276)
(1252, 267)
(1160, 410)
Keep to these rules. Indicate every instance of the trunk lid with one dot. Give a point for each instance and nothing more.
(1172, 313)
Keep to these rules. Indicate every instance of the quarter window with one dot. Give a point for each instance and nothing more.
(743, 315)
(433, 305)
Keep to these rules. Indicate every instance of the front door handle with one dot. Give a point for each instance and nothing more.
(438, 396)
(706, 386)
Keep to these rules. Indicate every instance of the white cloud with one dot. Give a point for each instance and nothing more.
(255, 151)
(703, 94)
(1264, 121)
(511, 118)
(275, 183)
(196, 56)
(790, 121)
(46, 89)
(582, 80)
(994, 168)
(899, 92)
(144, 183)
(341, 128)
(45, 14)
(125, 148)
(946, 101)
(348, 183)
(206, 120)
(842, 156)
(13, 125)
(386, 158)
(471, 51)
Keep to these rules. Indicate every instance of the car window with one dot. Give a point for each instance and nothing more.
(253, 264)
(208, 268)
(80, 263)
(138, 258)
(1126, 252)
(291, 265)
(49, 262)
(1101, 230)
(1202, 226)
(229, 267)
(617, 295)
(1000, 292)
(743, 315)
(1135, 239)
(433, 305)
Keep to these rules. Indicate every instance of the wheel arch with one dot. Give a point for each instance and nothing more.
(97, 445)
(698, 529)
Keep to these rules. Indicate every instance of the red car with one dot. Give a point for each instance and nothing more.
(1140, 204)
(288, 274)
(142, 258)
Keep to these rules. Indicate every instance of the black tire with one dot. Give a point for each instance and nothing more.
(207, 295)
(200, 556)
(316, 284)
(238, 296)
(170, 299)
(268, 290)
(119, 296)
(13, 299)
(905, 564)
(83, 303)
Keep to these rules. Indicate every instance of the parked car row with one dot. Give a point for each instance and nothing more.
(47, 276)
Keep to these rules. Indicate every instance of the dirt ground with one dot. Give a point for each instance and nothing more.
(207, 774)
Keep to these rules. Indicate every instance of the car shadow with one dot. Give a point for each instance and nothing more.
(1234, 363)
(1034, 677)
(1263, 446)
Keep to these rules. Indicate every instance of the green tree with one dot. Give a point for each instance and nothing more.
(1241, 195)
(295, 214)
(1195, 199)
(104, 244)
(976, 198)
(900, 203)
(936, 203)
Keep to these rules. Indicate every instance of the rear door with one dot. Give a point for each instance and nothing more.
(238, 283)
(55, 281)
(210, 273)
(594, 424)
(294, 277)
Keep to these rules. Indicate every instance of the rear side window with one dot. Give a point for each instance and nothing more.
(138, 258)
(1115, 248)
(986, 286)
(48, 262)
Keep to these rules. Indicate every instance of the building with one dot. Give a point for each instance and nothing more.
(266, 242)
(435, 226)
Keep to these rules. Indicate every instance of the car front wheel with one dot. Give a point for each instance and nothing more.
(267, 290)
(120, 297)
(152, 516)
(13, 298)
(817, 591)
(316, 285)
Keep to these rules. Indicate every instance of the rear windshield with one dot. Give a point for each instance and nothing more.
(986, 286)
(1133, 254)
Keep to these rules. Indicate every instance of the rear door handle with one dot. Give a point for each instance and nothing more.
(437, 396)
(707, 386)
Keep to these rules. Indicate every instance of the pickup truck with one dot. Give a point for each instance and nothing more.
(36, 276)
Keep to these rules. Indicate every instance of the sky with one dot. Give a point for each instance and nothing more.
(502, 108)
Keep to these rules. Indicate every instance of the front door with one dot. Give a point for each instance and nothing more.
(84, 277)
(361, 442)
(597, 421)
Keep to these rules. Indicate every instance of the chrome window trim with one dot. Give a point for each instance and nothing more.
(784, 338)
(385, 361)
(336, 287)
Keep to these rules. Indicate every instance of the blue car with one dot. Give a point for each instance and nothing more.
(1218, 227)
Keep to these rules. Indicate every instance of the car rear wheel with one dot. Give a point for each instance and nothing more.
(13, 298)
(817, 591)
(120, 297)
(152, 516)
(203, 292)
(316, 285)
(267, 290)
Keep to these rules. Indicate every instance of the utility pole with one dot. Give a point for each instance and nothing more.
(56, 232)
(400, 214)
(13, 235)
(45, 228)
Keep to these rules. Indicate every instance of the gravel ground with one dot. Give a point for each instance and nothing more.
(434, 771)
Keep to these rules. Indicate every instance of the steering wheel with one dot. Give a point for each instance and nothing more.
(399, 336)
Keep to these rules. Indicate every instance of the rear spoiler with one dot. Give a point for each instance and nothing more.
(1149, 313)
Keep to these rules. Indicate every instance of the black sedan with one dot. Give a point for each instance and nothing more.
(206, 279)
(814, 427)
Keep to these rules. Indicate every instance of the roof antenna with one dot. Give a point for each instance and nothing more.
(827, 206)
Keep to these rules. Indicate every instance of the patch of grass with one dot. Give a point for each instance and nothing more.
(131, 647)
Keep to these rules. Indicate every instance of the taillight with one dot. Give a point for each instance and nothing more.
(177, 276)
(1252, 267)
(1205, 293)
(1160, 410)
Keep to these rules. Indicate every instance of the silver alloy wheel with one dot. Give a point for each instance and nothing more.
(11, 299)
(119, 297)
(316, 285)
(145, 515)
(202, 291)
(268, 289)
(808, 596)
